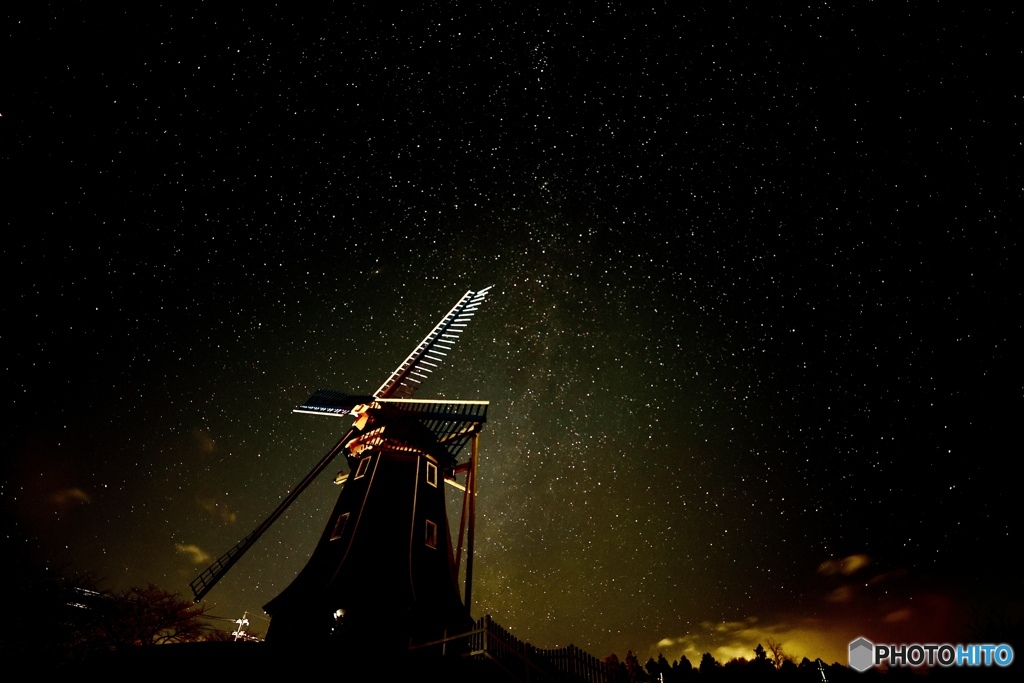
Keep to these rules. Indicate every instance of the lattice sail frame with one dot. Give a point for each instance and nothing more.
(410, 374)
(406, 379)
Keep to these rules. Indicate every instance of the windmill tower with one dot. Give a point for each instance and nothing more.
(385, 571)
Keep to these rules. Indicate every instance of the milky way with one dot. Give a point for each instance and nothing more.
(749, 349)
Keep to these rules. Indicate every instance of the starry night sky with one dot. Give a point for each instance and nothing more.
(749, 349)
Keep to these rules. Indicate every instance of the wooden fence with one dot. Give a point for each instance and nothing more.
(522, 661)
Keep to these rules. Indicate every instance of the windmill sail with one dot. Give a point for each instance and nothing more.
(430, 353)
(402, 383)
(202, 584)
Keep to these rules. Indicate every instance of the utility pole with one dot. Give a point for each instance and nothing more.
(243, 622)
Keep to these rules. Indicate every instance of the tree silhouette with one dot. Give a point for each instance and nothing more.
(778, 654)
(60, 618)
(736, 668)
(616, 669)
(761, 664)
(633, 669)
(682, 670)
(659, 670)
(151, 616)
(709, 666)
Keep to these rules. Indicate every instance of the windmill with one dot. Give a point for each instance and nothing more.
(384, 573)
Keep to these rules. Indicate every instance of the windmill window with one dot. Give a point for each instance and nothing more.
(432, 474)
(431, 539)
(339, 526)
(361, 467)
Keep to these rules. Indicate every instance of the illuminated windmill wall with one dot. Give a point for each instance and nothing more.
(385, 569)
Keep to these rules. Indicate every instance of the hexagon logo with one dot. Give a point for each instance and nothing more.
(862, 654)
